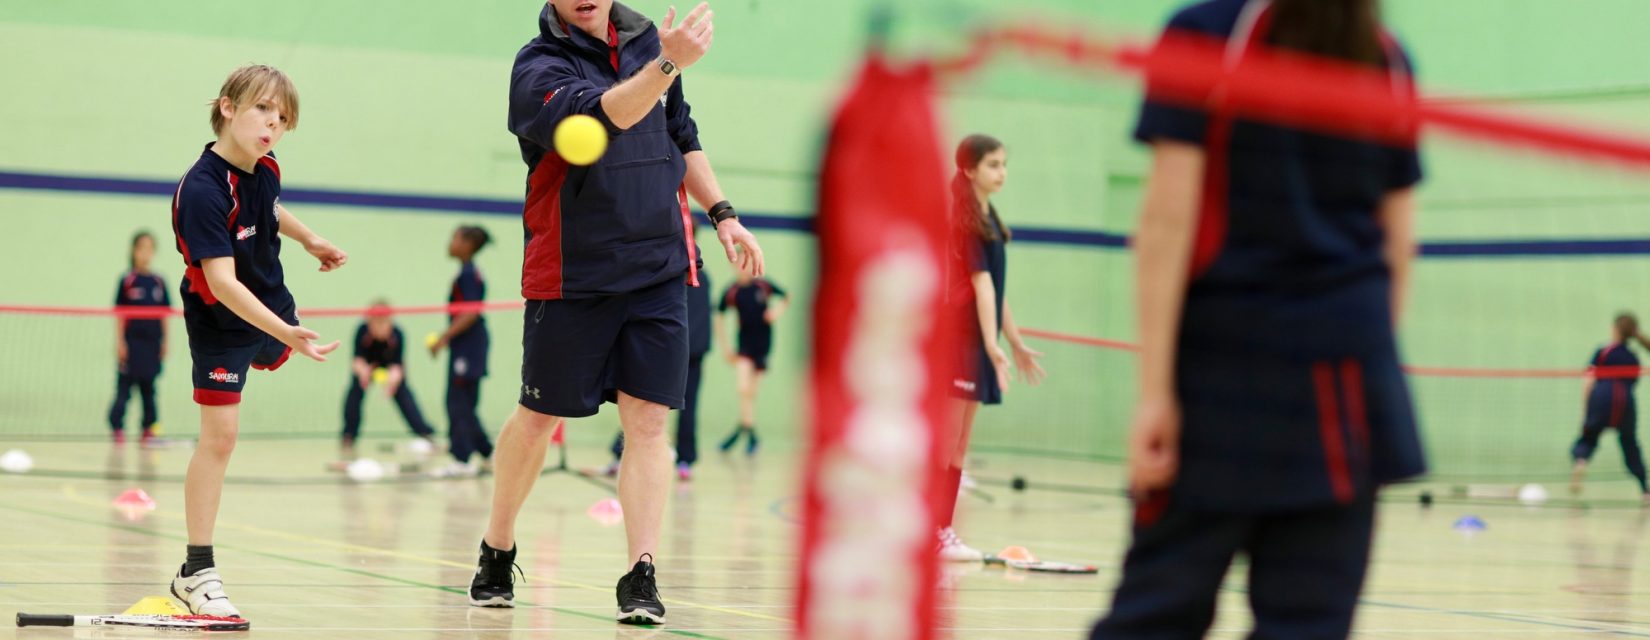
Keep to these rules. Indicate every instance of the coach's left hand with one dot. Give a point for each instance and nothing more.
(743, 252)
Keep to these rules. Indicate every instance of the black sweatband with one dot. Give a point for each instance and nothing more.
(721, 211)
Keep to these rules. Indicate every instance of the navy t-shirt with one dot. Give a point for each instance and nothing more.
(468, 351)
(1614, 365)
(221, 211)
(378, 353)
(1297, 214)
(751, 301)
(143, 335)
(988, 255)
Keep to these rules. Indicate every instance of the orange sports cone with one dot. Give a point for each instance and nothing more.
(558, 433)
(1017, 553)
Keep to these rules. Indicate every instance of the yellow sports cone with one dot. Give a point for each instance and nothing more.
(153, 606)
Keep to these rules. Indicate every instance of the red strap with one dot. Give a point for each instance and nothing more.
(687, 232)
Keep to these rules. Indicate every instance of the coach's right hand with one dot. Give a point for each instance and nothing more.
(685, 44)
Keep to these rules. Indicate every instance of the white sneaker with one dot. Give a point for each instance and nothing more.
(457, 470)
(952, 549)
(203, 593)
(967, 482)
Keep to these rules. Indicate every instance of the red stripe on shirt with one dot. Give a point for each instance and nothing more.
(1213, 215)
(542, 268)
(234, 197)
(269, 161)
(1329, 430)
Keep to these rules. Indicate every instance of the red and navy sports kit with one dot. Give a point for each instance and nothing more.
(976, 377)
(609, 246)
(755, 333)
(466, 366)
(220, 211)
(1294, 408)
(143, 341)
(381, 354)
(1615, 372)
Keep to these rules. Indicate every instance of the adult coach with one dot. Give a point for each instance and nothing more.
(609, 255)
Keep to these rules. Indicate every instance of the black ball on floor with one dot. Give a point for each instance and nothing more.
(1018, 483)
(1426, 498)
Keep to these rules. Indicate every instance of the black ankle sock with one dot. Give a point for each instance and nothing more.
(489, 553)
(200, 557)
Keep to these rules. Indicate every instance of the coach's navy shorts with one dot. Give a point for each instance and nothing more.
(577, 353)
(221, 359)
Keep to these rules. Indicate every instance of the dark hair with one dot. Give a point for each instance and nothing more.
(1627, 328)
(1345, 29)
(477, 236)
(983, 223)
(131, 251)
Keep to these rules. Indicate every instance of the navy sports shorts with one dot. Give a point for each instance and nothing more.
(221, 359)
(577, 353)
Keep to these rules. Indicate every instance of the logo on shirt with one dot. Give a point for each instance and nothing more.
(221, 375)
(552, 94)
(135, 293)
(243, 233)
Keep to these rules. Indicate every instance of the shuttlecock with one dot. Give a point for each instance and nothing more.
(420, 447)
(1532, 494)
(16, 461)
(365, 470)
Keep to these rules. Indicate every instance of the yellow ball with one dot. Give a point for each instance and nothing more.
(581, 140)
(380, 374)
(430, 340)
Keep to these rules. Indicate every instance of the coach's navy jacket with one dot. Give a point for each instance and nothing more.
(622, 223)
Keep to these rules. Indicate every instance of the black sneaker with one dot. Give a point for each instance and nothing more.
(733, 439)
(639, 595)
(750, 445)
(495, 581)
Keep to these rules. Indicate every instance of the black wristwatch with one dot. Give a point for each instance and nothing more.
(669, 68)
(719, 212)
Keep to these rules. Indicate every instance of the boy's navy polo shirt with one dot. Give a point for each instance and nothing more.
(221, 211)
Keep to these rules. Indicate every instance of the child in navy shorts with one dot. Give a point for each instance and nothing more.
(758, 303)
(227, 219)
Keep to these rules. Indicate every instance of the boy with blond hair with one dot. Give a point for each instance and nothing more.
(227, 218)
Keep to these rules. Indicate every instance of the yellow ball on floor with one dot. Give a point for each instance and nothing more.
(380, 374)
(580, 139)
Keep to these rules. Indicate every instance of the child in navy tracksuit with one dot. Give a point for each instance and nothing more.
(1273, 405)
(140, 342)
(467, 339)
(379, 346)
(1613, 371)
(758, 303)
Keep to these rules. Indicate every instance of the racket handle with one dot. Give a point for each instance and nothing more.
(41, 620)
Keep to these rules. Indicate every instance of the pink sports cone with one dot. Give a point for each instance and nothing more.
(607, 512)
(134, 504)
